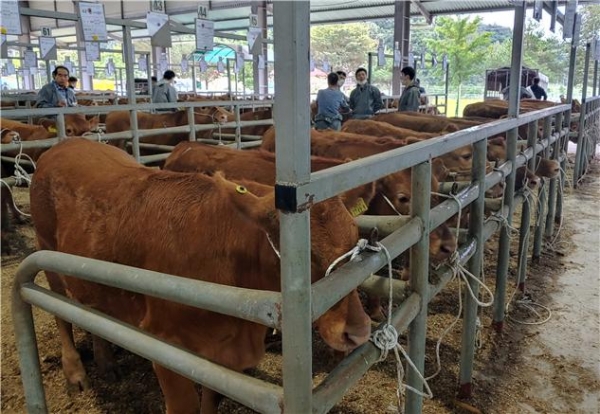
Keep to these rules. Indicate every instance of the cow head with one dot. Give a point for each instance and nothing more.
(333, 233)
(547, 168)
(215, 114)
(8, 136)
(75, 124)
(496, 148)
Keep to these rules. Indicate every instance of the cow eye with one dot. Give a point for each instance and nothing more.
(402, 198)
(467, 156)
(70, 131)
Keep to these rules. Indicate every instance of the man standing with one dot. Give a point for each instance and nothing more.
(537, 90)
(365, 99)
(164, 91)
(330, 104)
(56, 93)
(411, 96)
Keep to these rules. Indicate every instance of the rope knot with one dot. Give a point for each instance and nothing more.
(361, 245)
(386, 339)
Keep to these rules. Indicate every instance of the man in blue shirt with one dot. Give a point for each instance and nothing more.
(331, 102)
(56, 93)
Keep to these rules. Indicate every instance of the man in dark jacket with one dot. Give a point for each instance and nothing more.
(537, 90)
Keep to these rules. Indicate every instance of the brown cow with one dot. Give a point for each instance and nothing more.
(260, 114)
(120, 121)
(383, 129)
(417, 121)
(258, 166)
(203, 228)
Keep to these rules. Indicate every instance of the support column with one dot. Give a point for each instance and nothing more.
(401, 35)
(260, 76)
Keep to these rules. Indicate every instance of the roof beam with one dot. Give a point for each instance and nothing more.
(422, 10)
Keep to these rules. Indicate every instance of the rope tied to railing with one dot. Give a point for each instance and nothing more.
(14, 203)
(361, 245)
(20, 174)
(386, 339)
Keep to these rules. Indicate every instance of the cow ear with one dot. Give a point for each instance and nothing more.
(256, 202)
(358, 199)
(93, 122)
(47, 123)
(439, 170)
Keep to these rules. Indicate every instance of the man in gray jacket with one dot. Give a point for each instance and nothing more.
(56, 93)
(164, 91)
(410, 98)
(365, 99)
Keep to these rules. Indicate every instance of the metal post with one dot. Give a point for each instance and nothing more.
(370, 66)
(228, 78)
(128, 60)
(291, 34)
(191, 123)
(467, 351)
(511, 152)
(419, 266)
(29, 359)
(581, 153)
(553, 189)
(562, 143)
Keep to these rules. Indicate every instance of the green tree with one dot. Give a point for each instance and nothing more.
(343, 46)
(465, 47)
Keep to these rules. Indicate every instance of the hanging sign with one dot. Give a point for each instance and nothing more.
(537, 10)
(326, 66)
(158, 6)
(239, 59)
(203, 64)
(142, 63)
(93, 22)
(110, 67)
(68, 64)
(92, 51)
(10, 19)
(203, 10)
(445, 62)
(184, 63)
(380, 53)
(46, 31)
(411, 59)
(3, 47)
(163, 63)
(397, 55)
(89, 68)
(48, 48)
(220, 65)
(261, 62)
(312, 64)
(158, 29)
(29, 59)
(254, 36)
(569, 23)
(10, 68)
(577, 29)
(205, 33)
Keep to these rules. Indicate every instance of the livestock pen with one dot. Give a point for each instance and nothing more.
(299, 303)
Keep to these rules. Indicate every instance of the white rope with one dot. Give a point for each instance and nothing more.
(13, 199)
(361, 245)
(386, 339)
(527, 302)
(273, 245)
(21, 175)
(387, 200)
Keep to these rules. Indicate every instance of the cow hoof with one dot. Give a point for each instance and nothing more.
(75, 386)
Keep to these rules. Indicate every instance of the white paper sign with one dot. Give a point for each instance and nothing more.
(252, 36)
(312, 64)
(239, 60)
(155, 22)
(29, 59)
(203, 65)
(93, 22)
(10, 21)
(380, 56)
(325, 66)
(445, 62)
(92, 51)
(10, 68)
(48, 48)
(163, 64)
(142, 63)
(537, 10)
(89, 68)
(110, 67)
(184, 63)
(220, 65)
(397, 58)
(68, 64)
(205, 33)
(411, 59)
(261, 62)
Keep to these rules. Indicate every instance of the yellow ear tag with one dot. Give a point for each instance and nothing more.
(359, 208)
(3, 30)
(52, 129)
(241, 189)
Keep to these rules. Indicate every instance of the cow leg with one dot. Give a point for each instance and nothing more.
(179, 392)
(71, 361)
(105, 358)
(210, 401)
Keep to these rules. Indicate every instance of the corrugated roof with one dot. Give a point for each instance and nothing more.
(233, 15)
